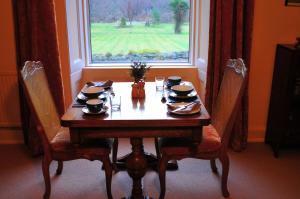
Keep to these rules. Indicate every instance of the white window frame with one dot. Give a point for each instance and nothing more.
(195, 26)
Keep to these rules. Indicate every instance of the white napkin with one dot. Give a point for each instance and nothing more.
(104, 84)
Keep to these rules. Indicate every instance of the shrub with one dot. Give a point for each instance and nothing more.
(148, 51)
(123, 23)
(108, 55)
(132, 52)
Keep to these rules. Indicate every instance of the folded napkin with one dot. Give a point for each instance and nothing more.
(104, 84)
(184, 108)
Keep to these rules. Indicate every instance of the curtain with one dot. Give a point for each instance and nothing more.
(229, 37)
(36, 40)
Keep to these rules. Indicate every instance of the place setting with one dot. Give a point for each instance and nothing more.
(93, 97)
(182, 97)
(92, 90)
(94, 100)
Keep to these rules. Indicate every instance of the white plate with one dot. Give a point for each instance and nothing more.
(86, 111)
(174, 106)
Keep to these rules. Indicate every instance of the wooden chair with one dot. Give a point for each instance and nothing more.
(215, 136)
(56, 139)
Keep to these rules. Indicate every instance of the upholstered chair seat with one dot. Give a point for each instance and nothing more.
(210, 142)
(62, 143)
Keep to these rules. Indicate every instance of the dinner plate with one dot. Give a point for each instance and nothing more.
(173, 106)
(85, 110)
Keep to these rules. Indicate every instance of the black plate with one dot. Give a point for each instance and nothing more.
(185, 98)
(81, 99)
(86, 111)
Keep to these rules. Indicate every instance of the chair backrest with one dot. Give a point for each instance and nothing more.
(40, 99)
(229, 98)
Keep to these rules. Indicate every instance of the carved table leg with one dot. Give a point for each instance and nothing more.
(136, 167)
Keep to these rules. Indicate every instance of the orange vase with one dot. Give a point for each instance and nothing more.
(135, 90)
(141, 89)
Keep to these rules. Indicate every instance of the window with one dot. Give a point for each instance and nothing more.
(99, 38)
(152, 31)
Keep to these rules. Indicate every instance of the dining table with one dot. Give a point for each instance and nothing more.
(137, 118)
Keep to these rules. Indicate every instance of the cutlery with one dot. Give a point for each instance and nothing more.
(163, 97)
(184, 106)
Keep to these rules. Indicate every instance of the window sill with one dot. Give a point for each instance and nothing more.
(127, 66)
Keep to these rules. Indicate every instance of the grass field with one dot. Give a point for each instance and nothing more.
(109, 38)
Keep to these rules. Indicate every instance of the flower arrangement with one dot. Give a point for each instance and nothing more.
(138, 70)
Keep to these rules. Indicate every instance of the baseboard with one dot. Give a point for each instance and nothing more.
(255, 140)
(11, 135)
(256, 134)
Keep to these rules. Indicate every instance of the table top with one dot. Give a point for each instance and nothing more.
(148, 112)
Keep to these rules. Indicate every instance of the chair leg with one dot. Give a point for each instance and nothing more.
(156, 147)
(108, 175)
(45, 166)
(115, 150)
(59, 167)
(163, 162)
(213, 165)
(225, 169)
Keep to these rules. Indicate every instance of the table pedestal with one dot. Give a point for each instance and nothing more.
(136, 164)
(152, 162)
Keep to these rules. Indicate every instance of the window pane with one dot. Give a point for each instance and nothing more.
(139, 30)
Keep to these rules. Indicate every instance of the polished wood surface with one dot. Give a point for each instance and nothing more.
(149, 112)
(140, 118)
(136, 120)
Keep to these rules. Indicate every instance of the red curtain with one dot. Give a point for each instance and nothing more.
(229, 37)
(36, 40)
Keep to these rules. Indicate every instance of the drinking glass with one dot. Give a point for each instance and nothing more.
(159, 82)
(115, 102)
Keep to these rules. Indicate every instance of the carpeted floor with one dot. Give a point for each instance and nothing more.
(254, 174)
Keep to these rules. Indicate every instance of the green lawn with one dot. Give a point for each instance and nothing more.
(109, 38)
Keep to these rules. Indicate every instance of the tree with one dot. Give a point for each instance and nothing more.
(179, 8)
(130, 9)
(155, 16)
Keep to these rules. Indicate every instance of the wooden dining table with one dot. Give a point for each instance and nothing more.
(136, 119)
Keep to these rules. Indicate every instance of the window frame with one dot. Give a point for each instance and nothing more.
(193, 39)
